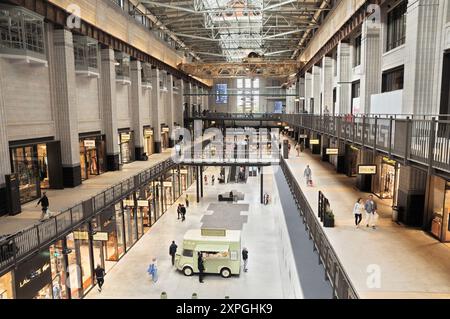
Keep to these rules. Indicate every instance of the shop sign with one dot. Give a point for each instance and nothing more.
(128, 202)
(81, 235)
(389, 161)
(332, 151)
(367, 169)
(183, 171)
(89, 143)
(148, 133)
(303, 136)
(167, 184)
(213, 232)
(100, 236)
(314, 142)
(165, 130)
(125, 137)
(142, 203)
(32, 275)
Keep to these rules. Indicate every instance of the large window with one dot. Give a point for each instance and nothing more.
(396, 26)
(393, 80)
(357, 55)
(85, 52)
(221, 93)
(248, 95)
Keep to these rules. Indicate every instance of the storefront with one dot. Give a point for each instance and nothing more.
(186, 174)
(126, 143)
(352, 159)
(149, 141)
(440, 205)
(92, 155)
(38, 166)
(6, 286)
(58, 263)
(165, 135)
(385, 183)
(147, 205)
(33, 277)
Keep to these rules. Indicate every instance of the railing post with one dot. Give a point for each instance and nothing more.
(391, 123)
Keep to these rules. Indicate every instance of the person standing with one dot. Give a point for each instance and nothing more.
(179, 211)
(371, 210)
(172, 251)
(297, 148)
(245, 258)
(358, 211)
(308, 175)
(44, 204)
(213, 179)
(187, 200)
(153, 270)
(201, 267)
(206, 180)
(100, 275)
(183, 213)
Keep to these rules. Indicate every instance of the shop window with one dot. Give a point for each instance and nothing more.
(82, 244)
(357, 51)
(188, 253)
(21, 32)
(146, 75)
(396, 26)
(6, 286)
(86, 54)
(393, 80)
(356, 89)
(59, 270)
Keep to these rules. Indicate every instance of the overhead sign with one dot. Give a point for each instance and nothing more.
(128, 202)
(367, 169)
(81, 235)
(142, 203)
(165, 129)
(303, 136)
(89, 143)
(314, 142)
(332, 151)
(125, 137)
(148, 133)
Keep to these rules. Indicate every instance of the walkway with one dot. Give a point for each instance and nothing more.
(411, 263)
(61, 200)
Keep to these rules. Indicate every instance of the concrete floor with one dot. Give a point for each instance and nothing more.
(411, 263)
(129, 279)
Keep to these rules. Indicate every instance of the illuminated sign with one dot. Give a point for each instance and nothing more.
(89, 143)
(125, 137)
(148, 133)
(332, 151)
(367, 169)
(142, 203)
(314, 142)
(81, 235)
(303, 136)
(128, 202)
(101, 236)
(389, 161)
(165, 130)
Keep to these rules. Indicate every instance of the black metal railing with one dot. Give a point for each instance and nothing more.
(334, 271)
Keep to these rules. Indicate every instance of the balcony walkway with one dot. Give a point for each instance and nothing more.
(412, 263)
(61, 200)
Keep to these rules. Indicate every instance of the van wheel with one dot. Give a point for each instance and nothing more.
(187, 271)
(225, 272)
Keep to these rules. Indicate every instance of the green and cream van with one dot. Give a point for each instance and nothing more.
(221, 250)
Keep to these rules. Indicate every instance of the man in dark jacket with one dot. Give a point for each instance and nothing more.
(245, 258)
(179, 211)
(183, 213)
(201, 267)
(99, 275)
(44, 204)
(173, 251)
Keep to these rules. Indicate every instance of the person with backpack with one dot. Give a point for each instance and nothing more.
(179, 211)
(183, 213)
(172, 251)
(308, 175)
(100, 275)
(44, 204)
(371, 211)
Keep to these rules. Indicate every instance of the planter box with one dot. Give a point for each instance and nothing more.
(328, 222)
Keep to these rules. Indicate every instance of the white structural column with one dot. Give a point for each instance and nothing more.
(137, 108)
(344, 87)
(301, 94)
(188, 98)
(66, 116)
(108, 91)
(5, 165)
(421, 38)
(308, 91)
(327, 84)
(181, 100)
(156, 109)
(371, 51)
(316, 108)
(170, 111)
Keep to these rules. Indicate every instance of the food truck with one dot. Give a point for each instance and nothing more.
(220, 249)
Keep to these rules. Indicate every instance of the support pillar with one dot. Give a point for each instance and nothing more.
(316, 105)
(308, 92)
(197, 186)
(156, 109)
(327, 84)
(108, 91)
(170, 114)
(201, 181)
(344, 87)
(137, 109)
(262, 185)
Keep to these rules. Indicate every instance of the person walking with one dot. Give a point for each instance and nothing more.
(44, 204)
(201, 267)
(213, 179)
(206, 180)
(179, 211)
(172, 251)
(302, 146)
(187, 200)
(183, 213)
(153, 270)
(308, 175)
(358, 211)
(100, 275)
(297, 148)
(371, 210)
(245, 258)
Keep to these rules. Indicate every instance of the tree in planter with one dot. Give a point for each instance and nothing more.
(328, 220)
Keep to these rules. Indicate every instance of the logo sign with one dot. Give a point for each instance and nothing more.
(128, 202)
(142, 203)
(81, 235)
(148, 133)
(213, 232)
(303, 136)
(367, 169)
(332, 151)
(125, 137)
(101, 236)
(89, 143)
(165, 130)
(314, 142)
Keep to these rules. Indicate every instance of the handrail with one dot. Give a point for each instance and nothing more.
(334, 271)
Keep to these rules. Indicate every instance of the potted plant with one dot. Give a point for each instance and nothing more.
(328, 220)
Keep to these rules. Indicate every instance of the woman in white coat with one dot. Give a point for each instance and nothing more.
(358, 210)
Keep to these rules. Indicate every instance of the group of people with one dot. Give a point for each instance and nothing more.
(213, 179)
(369, 207)
(266, 199)
(299, 147)
(181, 210)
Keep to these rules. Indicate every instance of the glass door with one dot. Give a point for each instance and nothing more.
(24, 162)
